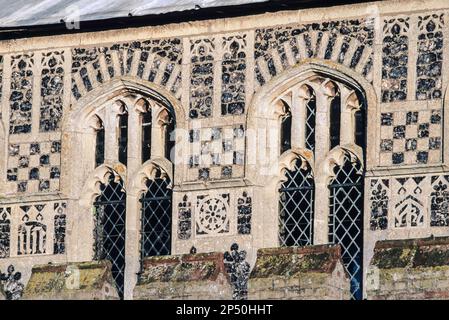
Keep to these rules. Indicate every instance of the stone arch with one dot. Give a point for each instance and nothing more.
(124, 63)
(261, 113)
(344, 51)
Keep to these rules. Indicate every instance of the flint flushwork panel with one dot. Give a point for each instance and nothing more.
(411, 202)
(429, 83)
(5, 232)
(216, 153)
(33, 232)
(52, 87)
(202, 78)
(379, 201)
(410, 138)
(34, 167)
(157, 61)
(21, 97)
(184, 219)
(233, 67)
(395, 48)
(348, 42)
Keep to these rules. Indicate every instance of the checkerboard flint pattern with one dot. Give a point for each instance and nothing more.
(34, 167)
(216, 153)
(409, 138)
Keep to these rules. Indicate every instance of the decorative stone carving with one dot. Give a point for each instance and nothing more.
(12, 285)
(439, 201)
(5, 232)
(233, 76)
(409, 207)
(348, 42)
(395, 47)
(410, 138)
(21, 97)
(244, 213)
(216, 153)
(202, 77)
(184, 219)
(34, 167)
(379, 204)
(212, 217)
(32, 232)
(59, 227)
(52, 89)
(429, 65)
(238, 270)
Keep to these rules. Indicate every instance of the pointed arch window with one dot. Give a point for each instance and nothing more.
(334, 121)
(328, 114)
(109, 233)
(346, 218)
(123, 138)
(147, 120)
(156, 218)
(296, 206)
(310, 119)
(169, 137)
(286, 128)
(99, 144)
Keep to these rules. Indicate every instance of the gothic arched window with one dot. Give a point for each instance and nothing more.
(296, 206)
(156, 218)
(123, 138)
(110, 219)
(346, 218)
(334, 121)
(310, 119)
(327, 120)
(286, 128)
(146, 119)
(99, 145)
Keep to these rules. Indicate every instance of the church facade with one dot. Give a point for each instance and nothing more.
(298, 128)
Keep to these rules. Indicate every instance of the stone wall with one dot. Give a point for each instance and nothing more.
(184, 277)
(409, 269)
(71, 281)
(229, 84)
(308, 273)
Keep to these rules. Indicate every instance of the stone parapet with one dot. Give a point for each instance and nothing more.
(302, 273)
(191, 276)
(409, 269)
(71, 281)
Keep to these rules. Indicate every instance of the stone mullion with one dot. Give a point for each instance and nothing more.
(111, 129)
(134, 140)
(347, 120)
(321, 212)
(157, 133)
(299, 114)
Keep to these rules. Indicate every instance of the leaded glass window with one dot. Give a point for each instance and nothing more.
(123, 139)
(156, 218)
(110, 219)
(99, 146)
(146, 135)
(296, 206)
(310, 121)
(346, 219)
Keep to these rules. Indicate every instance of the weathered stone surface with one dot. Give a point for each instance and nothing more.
(409, 269)
(71, 281)
(314, 272)
(191, 276)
